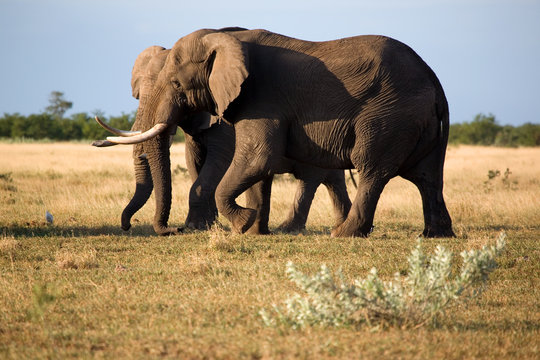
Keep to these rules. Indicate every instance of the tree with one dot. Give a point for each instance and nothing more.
(483, 129)
(58, 105)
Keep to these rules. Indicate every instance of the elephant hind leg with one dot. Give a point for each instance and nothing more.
(427, 175)
(296, 220)
(359, 221)
(437, 222)
(258, 198)
(309, 178)
(337, 190)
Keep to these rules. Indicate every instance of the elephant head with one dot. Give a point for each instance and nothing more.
(202, 73)
(144, 73)
(146, 68)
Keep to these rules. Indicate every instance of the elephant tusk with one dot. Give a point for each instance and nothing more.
(147, 135)
(116, 131)
(103, 143)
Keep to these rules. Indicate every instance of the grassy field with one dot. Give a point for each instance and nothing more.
(81, 287)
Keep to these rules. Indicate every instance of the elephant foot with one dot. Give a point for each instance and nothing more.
(346, 229)
(242, 220)
(199, 220)
(291, 227)
(126, 222)
(438, 232)
(258, 229)
(166, 231)
(199, 225)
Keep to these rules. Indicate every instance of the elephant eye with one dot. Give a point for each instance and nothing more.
(183, 99)
(176, 85)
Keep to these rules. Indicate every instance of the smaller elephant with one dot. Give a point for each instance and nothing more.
(210, 145)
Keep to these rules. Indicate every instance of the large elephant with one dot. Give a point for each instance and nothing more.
(366, 102)
(209, 150)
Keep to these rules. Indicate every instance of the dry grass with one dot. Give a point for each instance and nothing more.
(70, 259)
(81, 287)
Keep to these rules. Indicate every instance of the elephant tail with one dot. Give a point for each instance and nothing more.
(443, 115)
(438, 142)
(351, 174)
(444, 120)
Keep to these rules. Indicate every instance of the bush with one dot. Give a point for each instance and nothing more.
(409, 301)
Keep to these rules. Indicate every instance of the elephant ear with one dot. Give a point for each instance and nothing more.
(153, 67)
(139, 68)
(229, 68)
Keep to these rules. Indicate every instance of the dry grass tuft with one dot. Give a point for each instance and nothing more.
(201, 264)
(68, 259)
(8, 245)
(221, 240)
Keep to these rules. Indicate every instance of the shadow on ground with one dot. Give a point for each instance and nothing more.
(45, 230)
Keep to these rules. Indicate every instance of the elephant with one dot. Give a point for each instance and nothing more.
(209, 150)
(366, 102)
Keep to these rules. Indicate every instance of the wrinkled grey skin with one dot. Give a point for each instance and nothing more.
(366, 102)
(209, 151)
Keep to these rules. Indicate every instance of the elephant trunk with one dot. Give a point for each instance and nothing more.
(143, 187)
(156, 148)
(159, 162)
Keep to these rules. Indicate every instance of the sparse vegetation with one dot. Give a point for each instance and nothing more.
(506, 182)
(180, 170)
(42, 297)
(198, 295)
(6, 182)
(406, 301)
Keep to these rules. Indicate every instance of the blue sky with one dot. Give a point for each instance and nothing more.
(485, 52)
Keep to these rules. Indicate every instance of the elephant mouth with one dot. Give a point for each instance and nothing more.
(128, 137)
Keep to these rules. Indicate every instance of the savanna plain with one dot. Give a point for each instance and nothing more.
(80, 287)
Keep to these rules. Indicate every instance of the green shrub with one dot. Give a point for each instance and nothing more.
(406, 301)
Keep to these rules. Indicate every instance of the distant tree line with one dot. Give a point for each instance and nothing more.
(52, 125)
(46, 126)
(484, 130)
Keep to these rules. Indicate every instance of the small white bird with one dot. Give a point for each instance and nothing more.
(48, 217)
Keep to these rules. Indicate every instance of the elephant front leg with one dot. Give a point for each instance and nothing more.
(259, 153)
(231, 186)
(143, 190)
(202, 207)
(207, 158)
(244, 172)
